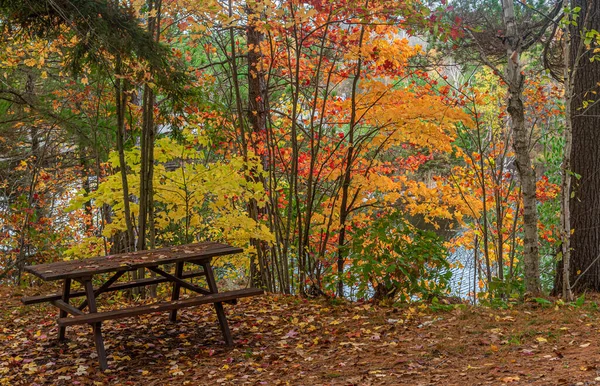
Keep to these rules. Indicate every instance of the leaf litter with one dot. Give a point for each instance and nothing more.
(286, 340)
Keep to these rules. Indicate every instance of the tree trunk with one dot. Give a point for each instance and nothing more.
(121, 104)
(293, 202)
(566, 180)
(347, 178)
(585, 156)
(515, 78)
(257, 117)
(23, 255)
(146, 195)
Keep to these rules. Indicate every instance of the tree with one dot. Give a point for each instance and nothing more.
(501, 38)
(521, 144)
(585, 152)
(102, 26)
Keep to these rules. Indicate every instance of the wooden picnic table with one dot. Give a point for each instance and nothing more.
(83, 271)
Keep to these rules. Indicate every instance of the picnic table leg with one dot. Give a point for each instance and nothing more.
(91, 299)
(212, 286)
(61, 313)
(176, 289)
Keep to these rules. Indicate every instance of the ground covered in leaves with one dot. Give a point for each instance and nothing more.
(281, 340)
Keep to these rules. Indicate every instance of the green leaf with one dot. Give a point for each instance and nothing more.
(580, 300)
(543, 302)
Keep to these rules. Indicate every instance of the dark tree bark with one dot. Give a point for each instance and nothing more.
(347, 178)
(146, 196)
(585, 156)
(121, 105)
(24, 245)
(146, 230)
(257, 117)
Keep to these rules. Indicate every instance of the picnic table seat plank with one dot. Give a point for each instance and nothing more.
(115, 287)
(158, 307)
(130, 261)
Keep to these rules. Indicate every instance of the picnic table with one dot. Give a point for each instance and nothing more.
(83, 271)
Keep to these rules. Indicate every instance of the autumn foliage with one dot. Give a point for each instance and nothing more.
(329, 139)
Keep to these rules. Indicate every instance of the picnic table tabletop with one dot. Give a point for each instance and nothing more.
(130, 261)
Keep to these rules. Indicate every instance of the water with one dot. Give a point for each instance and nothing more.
(461, 283)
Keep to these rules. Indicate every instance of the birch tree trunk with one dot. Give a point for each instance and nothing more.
(515, 80)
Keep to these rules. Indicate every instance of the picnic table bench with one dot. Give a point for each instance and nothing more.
(83, 271)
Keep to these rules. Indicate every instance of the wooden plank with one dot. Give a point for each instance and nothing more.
(125, 259)
(97, 327)
(212, 285)
(159, 307)
(67, 308)
(175, 290)
(138, 254)
(103, 288)
(66, 295)
(91, 268)
(115, 287)
(180, 282)
(130, 261)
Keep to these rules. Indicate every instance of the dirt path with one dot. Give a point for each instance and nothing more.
(291, 341)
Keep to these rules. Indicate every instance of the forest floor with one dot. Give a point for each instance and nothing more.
(285, 340)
